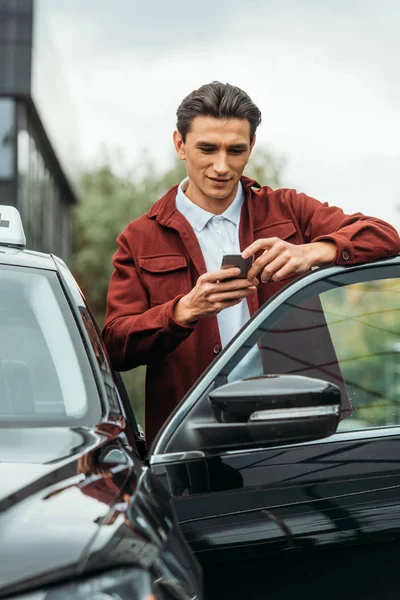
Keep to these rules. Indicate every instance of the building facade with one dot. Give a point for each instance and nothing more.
(38, 137)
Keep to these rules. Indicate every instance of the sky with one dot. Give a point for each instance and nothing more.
(324, 75)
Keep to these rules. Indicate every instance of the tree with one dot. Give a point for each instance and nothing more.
(266, 168)
(109, 203)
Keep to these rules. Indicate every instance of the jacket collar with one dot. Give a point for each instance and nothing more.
(166, 213)
(164, 208)
(198, 217)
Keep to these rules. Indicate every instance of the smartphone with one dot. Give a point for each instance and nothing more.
(236, 260)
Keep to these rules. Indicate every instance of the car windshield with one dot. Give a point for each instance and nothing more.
(45, 374)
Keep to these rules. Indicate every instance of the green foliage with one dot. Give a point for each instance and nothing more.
(364, 321)
(265, 168)
(109, 203)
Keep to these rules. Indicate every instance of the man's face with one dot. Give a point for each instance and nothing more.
(216, 152)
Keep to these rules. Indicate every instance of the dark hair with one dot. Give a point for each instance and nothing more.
(219, 100)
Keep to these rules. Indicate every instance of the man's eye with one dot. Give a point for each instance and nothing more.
(236, 151)
(207, 150)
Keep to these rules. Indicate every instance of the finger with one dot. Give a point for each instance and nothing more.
(234, 284)
(227, 285)
(271, 269)
(261, 244)
(218, 306)
(233, 295)
(288, 269)
(221, 275)
(262, 261)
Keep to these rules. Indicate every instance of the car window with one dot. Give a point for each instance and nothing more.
(45, 375)
(113, 384)
(344, 329)
(93, 334)
(364, 323)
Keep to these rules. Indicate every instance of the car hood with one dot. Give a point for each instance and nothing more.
(51, 505)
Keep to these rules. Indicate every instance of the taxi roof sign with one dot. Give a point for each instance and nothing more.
(11, 228)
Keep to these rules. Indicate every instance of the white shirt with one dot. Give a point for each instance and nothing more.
(218, 235)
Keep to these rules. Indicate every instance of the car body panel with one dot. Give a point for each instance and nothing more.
(77, 501)
(44, 498)
(312, 509)
(320, 493)
(63, 513)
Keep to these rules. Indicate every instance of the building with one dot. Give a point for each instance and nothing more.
(38, 136)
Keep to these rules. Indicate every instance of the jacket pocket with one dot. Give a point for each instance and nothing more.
(165, 276)
(281, 229)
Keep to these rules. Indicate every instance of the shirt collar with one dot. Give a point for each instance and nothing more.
(198, 217)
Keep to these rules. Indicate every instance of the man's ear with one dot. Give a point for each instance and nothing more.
(179, 145)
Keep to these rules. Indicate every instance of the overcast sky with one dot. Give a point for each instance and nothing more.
(324, 74)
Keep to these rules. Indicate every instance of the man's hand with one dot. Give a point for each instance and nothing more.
(281, 258)
(212, 293)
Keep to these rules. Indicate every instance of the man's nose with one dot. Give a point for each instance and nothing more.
(221, 164)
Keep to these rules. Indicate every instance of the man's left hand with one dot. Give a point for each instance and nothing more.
(281, 258)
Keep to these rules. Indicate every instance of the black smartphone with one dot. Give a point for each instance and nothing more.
(236, 260)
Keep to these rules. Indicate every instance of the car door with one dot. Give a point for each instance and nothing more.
(320, 517)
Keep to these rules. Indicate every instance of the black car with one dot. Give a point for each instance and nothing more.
(286, 483)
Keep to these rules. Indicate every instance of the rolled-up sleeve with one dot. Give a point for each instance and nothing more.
(358, 238)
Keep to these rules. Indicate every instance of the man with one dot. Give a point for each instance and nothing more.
(169, 305)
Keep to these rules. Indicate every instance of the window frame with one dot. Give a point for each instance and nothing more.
(248, 336)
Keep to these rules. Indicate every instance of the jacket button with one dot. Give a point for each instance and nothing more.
(345, 255)
(216, 348)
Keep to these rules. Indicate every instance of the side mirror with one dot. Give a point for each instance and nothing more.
(272, 409)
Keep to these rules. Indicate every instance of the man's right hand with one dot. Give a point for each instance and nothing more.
(212, 293)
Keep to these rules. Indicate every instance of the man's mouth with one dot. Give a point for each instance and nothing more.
(216, 180)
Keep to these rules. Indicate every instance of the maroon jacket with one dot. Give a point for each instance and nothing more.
(159, 260)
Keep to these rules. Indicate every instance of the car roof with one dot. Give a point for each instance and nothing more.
(26, 258)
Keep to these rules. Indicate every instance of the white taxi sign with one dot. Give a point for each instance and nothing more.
(11, 228)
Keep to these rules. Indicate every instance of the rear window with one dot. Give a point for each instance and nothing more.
(45, 374)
